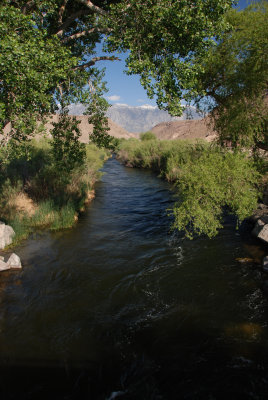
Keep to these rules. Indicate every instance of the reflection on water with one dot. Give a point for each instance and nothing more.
(120, 307)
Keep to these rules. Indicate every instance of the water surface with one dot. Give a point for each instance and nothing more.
(120, 307)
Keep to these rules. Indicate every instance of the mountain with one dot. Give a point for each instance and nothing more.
(86, 128)
(137, 119)
(191, 129)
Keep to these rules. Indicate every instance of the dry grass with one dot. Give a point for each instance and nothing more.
(23, 204)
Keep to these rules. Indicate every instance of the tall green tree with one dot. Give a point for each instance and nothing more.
(234, 81)
(48, 53)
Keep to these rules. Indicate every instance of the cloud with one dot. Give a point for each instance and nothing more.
(141, 101)
(113, 98)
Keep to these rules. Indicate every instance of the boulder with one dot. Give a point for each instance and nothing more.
(260, 230)
(14, 261)
(3, 266)
(265, 195)
(260, 213)
(265, 287)
(265, 264)
(6, 235)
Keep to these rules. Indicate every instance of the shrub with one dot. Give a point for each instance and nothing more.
(147, 136)
(58, 193)
(208, 180)
(217, 180)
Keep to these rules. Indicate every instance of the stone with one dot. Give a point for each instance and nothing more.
(262, 206)
(6, 235)
(264, 219)
(263, 235)
(245, 260)
(265, 195)
(260, 230)
(265, 287)
(3, 266)
(14, 261)
(258, 227)
(265, 264)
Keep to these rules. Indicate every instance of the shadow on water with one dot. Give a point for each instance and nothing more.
(121, 308)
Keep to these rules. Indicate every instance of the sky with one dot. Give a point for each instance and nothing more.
(124, 89)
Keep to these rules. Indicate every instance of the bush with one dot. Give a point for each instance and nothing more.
(57, 194)
(208, 179)
(147, 136)
(217, 180)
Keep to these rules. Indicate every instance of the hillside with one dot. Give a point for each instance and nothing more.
(143, 118)
(86, 128)
(190, 129)
(137, 119)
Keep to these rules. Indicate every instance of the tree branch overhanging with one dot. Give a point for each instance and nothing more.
(61, 11)
(70, 19)
(92, 7)
(94, 60)
(27, 6)
(85, 33)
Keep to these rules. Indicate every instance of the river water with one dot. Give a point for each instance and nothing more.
(120, 307)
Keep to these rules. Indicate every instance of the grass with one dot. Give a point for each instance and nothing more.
(208, 179)
(36, 194)
(163, 156)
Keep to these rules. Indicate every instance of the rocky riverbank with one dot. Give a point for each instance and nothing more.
(259, 221)
(6, 236)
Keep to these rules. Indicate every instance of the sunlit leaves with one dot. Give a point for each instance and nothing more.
(216, 180)
(163, 37)
(235, 76)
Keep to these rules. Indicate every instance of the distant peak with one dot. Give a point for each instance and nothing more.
(148, 107)
(120, 105)
(144, 106)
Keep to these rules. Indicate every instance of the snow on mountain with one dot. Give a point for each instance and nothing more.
(137, 119)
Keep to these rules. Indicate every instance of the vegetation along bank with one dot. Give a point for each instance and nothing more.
(40, 188)
(210, 179)
(214, 57)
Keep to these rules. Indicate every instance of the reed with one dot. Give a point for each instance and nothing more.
(36, 194)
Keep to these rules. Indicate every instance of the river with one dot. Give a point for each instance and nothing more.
(120, 307)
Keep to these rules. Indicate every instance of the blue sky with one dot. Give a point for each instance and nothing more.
(127, 89)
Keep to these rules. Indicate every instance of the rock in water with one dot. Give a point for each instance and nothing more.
(245, 260)
(261, 230)
(3, 266)
(6, 235)
(14, 261)
(265, 264)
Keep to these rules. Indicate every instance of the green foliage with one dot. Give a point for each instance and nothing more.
(55, 218)
(164, 37)
(68, 151)
(21, 227)
(209, 180)
(115, 143)
(164, 156)
(32, 64)
(147, 136)
(48, 55)
(235, 76)
(55, 194)
(217, 180)
(96, 109)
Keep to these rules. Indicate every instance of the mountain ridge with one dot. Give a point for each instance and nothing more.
(137, 119)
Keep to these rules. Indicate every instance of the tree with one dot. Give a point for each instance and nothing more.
(234, 81)
(48, 53)
(147, 136)
(211, 184)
